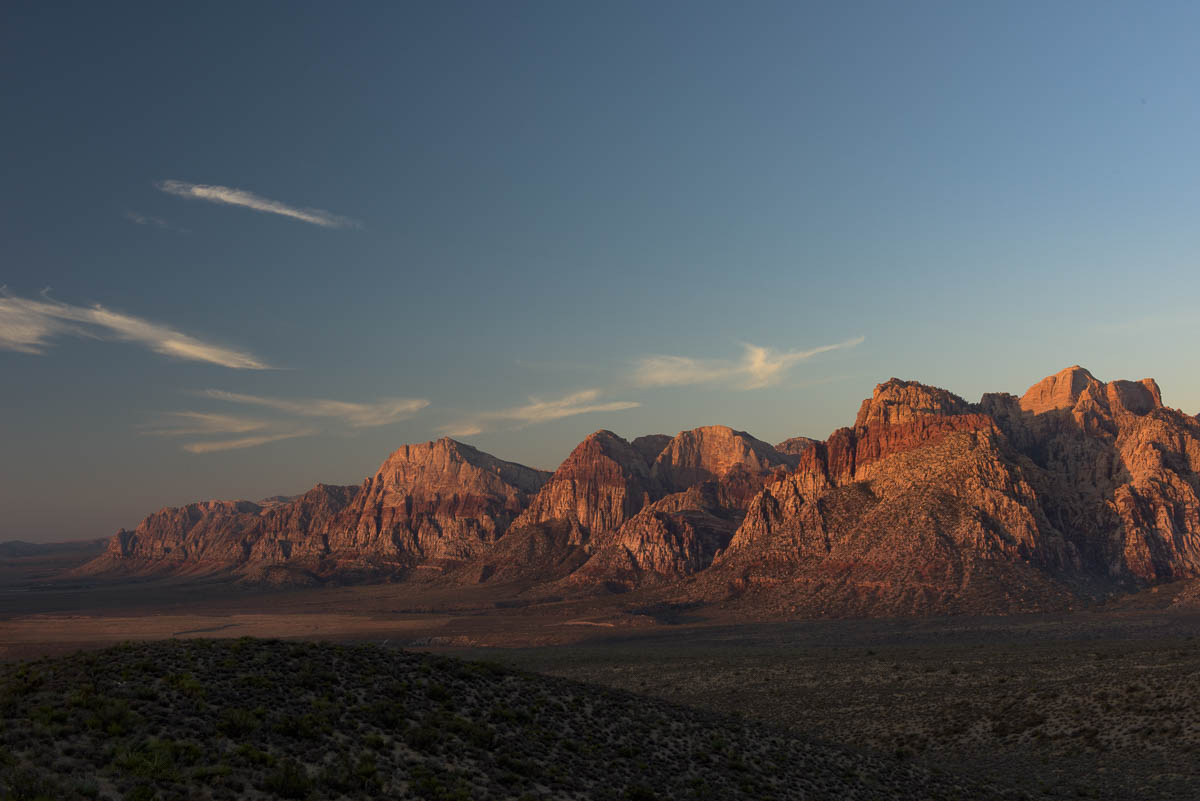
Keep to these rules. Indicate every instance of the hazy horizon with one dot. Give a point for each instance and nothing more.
(249, 250)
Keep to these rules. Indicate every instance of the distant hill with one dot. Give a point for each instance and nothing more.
(927, 504)
(15, 549)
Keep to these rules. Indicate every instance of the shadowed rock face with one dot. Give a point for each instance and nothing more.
(927, 504)
(650, 446)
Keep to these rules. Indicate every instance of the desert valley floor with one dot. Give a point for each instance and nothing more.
(1094, 703)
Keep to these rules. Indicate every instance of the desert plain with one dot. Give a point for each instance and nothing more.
(1101, 702)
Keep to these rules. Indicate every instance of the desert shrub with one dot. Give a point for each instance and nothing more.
(347, 776)
(303, 727)
(289, 780)
(28, 784)
(236, 722)
(469, 731)
(388, 714)
(160, 760)
(141, 792)
(88, 789)
(423, 737)
(434, 787)
(250, 754)
(109, 715)
(186, 683)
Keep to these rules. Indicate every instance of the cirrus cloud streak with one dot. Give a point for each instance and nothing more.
(356, 415)
(538, 411)
(244, 442)
(759, 367)
(30, 326)
(229, 196)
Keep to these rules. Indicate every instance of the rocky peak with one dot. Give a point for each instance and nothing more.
(1063, 390)
(447, 463)
(795, 445)
(1137, 397)
(1077, 390)
(651, 445)
(600, 485)
(711, 453)
(896, 401)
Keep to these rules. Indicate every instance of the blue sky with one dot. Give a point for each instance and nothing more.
(247, 247)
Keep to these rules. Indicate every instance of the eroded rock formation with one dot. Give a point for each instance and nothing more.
(928, 503)
(440, 500)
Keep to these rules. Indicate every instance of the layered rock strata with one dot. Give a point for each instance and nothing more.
(928, 503)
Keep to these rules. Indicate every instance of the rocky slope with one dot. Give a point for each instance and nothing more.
(427, 503)
(603, 483)
(928, 503)
(710, 475)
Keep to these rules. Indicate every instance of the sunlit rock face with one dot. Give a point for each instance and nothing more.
(439, 500)
(603, 483)
(927, 504)
(931, 503)
(795, 445)
(711, 453)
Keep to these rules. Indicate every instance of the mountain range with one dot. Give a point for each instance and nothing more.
(927, 504)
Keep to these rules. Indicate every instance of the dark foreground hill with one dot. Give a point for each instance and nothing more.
(254, 719)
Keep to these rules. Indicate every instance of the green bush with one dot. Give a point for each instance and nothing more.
(236, 722)
(289, 780)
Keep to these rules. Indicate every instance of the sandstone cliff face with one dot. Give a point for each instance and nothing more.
(603, 483)
(926, 504)
(933, 503)
(711, 474)
(796, 445)
(711, 453)
(438, 501)
(199, 537)
(650, 446)
(676, 536)
(1121, 474)
(949, 526)
(897, 401)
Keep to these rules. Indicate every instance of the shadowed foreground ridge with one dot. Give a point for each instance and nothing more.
(257, 719)
(929, 504)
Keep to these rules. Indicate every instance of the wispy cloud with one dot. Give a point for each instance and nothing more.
(240, 197)
(244, 442)
(538, 411)
(759, 367)
(157, 222)
(29, 325)
(183, 424)
(206, 425)
(356, 415)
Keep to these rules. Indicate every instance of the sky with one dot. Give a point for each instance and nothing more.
(246, 247)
